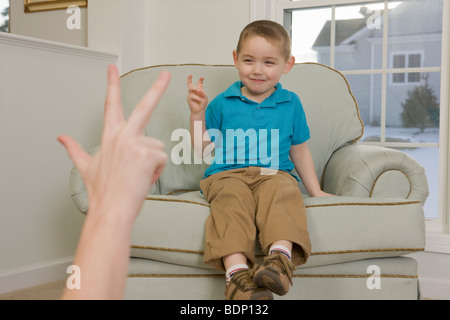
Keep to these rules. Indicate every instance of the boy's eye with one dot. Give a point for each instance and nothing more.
(270, 62)
(247, 60)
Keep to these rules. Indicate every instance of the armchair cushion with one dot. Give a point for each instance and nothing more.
(341, 229)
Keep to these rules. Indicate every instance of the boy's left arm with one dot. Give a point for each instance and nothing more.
(304, 165)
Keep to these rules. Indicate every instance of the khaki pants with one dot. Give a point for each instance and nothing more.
(243, 201)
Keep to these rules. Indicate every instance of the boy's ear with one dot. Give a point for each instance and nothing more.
(235, 58)
(289, 64)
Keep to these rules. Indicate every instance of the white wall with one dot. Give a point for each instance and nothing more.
(154, 32)
(46, 89)
(194, 31)
(119, 26)
(47, 25)
(145, 32)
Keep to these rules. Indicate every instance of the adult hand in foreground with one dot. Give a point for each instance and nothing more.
(117, 179)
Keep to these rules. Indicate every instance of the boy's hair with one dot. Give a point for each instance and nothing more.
(269, 30)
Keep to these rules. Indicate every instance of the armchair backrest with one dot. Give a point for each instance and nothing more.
(331, 110)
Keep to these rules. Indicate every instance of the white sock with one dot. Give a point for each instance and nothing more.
(282, 249)
(232, 270)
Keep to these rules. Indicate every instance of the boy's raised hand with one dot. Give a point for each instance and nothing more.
(197, 98)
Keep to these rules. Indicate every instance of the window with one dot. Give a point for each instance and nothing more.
(391, 54)
(4, 15)
(406, 60)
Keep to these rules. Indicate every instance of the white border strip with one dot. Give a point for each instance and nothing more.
(434, 288)
(33, 275)
(444, 156)
(53, 46)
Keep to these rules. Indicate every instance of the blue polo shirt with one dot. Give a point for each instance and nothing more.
(247, 133)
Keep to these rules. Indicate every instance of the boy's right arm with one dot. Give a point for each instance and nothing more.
(198, 101)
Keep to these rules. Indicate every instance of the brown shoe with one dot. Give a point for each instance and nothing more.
(275, 274)
(242, 287)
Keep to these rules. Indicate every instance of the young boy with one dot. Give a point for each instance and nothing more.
(248, 190)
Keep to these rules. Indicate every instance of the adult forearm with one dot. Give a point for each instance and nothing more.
(102, 257)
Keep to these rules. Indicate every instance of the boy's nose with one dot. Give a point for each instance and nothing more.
(257, 68)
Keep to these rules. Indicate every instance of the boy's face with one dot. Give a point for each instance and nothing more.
(261, 64)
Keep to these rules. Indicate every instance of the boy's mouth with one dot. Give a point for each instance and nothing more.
(257, 81)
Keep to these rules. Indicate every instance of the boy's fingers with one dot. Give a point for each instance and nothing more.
(200, 83)
(189, 81)
(143, 111)
(197, 98)
(79, 157)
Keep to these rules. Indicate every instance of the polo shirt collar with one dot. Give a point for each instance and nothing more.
(279, 95)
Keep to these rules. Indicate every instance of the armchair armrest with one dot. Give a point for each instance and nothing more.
(370, 171)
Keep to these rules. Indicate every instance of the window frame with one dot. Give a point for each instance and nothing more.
(437, 230)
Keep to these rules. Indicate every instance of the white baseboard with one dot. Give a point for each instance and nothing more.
(434, 277)
(433, 288)
(33, 275)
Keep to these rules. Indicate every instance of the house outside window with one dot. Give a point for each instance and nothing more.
(391, 54)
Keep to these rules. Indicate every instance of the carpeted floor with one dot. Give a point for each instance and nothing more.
(48, 291)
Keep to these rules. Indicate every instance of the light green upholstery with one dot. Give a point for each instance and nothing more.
(341, 229)
(376, 217)
(369, 171)
(351, 280)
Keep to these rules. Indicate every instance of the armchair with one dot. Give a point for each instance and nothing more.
(359, 238)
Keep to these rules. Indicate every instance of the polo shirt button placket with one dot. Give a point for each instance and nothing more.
(258, 115)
